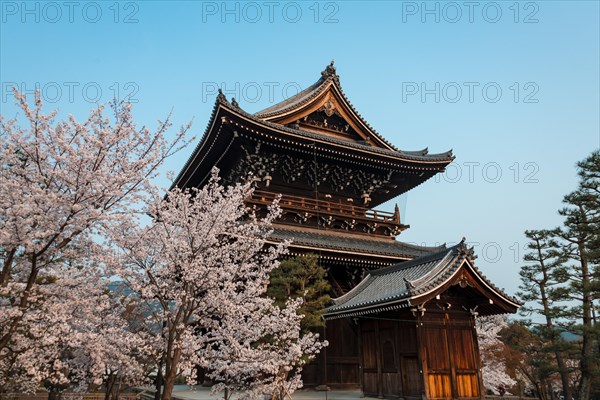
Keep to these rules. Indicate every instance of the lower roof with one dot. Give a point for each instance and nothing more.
(350, 244)
(410, 282)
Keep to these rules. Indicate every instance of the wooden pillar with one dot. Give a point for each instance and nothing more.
(325, 356)
(323, 360)
(449, 333)
(421, 355)
(477, 360)
(379, 359)
(360, 360)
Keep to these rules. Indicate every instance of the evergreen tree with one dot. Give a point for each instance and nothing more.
(589, 184)
(581, 237)
(302, 276)
(539, 283)
(563, 279)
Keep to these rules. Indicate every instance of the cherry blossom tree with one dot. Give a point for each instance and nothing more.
(73, 337)
(260, 351)
(61, 184)
(491, 348)
(202, 268)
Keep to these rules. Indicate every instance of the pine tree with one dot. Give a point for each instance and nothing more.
(581, 236)
(302, 276)
(564, 280)
(540, 281)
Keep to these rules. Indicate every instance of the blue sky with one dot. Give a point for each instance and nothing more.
(511, 87)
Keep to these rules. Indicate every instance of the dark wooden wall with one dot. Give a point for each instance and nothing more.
(390, 362)
(342, 353)
(342, 363)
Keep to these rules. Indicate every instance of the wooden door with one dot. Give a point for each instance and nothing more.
(464, 361)
(450, 359)
(390, 365)
(411, 377)
(436, 358)
(369, 353)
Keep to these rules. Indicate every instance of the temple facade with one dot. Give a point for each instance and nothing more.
(402, 321)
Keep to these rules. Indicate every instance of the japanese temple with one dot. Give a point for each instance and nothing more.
(402, 319)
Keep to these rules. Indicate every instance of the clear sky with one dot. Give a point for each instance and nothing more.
(512, 87)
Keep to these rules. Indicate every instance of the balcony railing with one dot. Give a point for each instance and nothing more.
(345, 210)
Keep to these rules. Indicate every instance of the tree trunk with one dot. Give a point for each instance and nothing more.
(170, 375)
(584, 387)
(587, 338)
(564, 375)
(586, 349)
(560, 362)
(541, 393)
(5, 274)
(158, 382)
(110, 382)
(118, 390)
(53, 394)
(23, 302)
(551, 390)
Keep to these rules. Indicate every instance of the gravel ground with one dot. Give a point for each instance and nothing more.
(184, 392)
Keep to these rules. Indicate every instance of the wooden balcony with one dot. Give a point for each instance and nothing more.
(331, 214)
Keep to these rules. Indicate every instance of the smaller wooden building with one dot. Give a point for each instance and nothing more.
(416, 323)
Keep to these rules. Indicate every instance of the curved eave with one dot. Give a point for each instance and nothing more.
(392, 251)
(369, 309)
(195, 158)
(225, 113)
(312, 94)
(315, 248)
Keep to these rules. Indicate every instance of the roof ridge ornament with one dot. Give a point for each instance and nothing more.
(221, 97)
(329, 71)
(464, 250)
(410, 286)
(463, 244)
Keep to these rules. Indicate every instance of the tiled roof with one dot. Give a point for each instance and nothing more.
(393, 287)
(419, 155)
(294, 101)
(352, 243)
